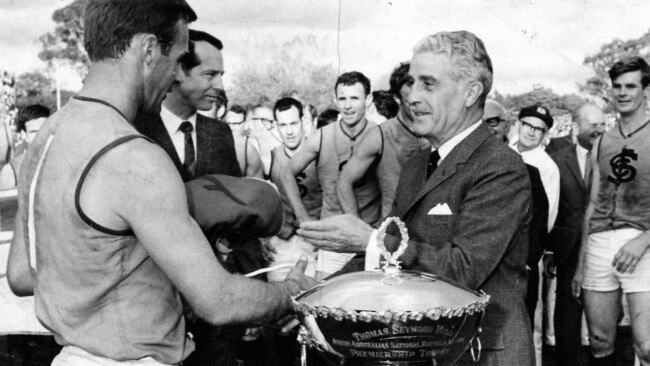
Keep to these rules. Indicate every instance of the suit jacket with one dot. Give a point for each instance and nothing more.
(539, 220)
(215, 146)
(483, 244)
(566, 235)
(559, 143)
(215, 154)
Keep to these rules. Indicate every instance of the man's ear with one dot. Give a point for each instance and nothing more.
(369, 99)
(474, 91)
(149, 47)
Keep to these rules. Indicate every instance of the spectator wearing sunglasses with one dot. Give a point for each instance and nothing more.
(495, 116)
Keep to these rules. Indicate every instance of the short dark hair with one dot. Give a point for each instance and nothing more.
(284, 104)
(110, 25)
(351, 78)
(237, 109)
(327, 117)
(399, 77)
(30, 112)
(629, 64)
(385, 103)
(191, 60)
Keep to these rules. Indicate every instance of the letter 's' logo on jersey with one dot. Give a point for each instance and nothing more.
(622, 170)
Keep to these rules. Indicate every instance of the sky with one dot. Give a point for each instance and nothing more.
(531, 42)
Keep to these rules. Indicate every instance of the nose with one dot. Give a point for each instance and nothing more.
(217, 82)
(415, 92)
(623, 91)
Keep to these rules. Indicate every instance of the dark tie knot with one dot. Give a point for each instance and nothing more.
(186, 127)
(434, 158)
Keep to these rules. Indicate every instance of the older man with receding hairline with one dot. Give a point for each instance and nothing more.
(465, 202)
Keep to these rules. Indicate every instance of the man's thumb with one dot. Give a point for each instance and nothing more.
(301, 264)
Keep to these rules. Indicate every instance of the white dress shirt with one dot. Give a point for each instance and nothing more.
(373, 254)
(550, 175)
(581, 152)
(172, 122)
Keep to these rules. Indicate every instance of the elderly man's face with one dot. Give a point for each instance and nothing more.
(496, 121)
(437, 100)
(531, 132)
(591, 125)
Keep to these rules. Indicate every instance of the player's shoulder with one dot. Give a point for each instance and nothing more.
(140, 158)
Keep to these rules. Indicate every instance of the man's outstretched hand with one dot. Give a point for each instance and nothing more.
(341, 233)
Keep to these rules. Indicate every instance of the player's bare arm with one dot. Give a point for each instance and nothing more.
(287, 181)
(141, 190)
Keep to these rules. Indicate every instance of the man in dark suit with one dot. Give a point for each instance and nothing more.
(566, 235)
(199, 146)
(466, 204)
(496, 118)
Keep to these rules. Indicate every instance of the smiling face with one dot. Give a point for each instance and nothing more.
(163, 71)
(531, 133)
(352, 102)
(494, 115)
(591, 124)
(290, 127)
(437, 99)
(629, 94)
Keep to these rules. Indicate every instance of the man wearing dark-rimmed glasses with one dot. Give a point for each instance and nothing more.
(495, 116)
(534, 123)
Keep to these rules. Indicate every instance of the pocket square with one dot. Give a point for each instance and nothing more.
(440, 209)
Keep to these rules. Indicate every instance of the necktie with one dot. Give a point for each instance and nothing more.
(434, 157)
(587, 175)
(186, 127)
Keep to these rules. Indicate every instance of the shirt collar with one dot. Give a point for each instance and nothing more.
(581, 151)
(450, 144)
(172, 122)
(534, 150)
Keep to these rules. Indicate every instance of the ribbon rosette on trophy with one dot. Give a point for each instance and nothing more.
(391, 316)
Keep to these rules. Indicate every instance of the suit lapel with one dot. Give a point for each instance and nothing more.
(414, 175)
(448, 166)
(201, 142)
(161, 136)
(571, 159)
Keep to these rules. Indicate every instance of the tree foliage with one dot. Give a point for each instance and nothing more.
(65, 43)
(284, 69)
(36, 87)
(557, 104)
